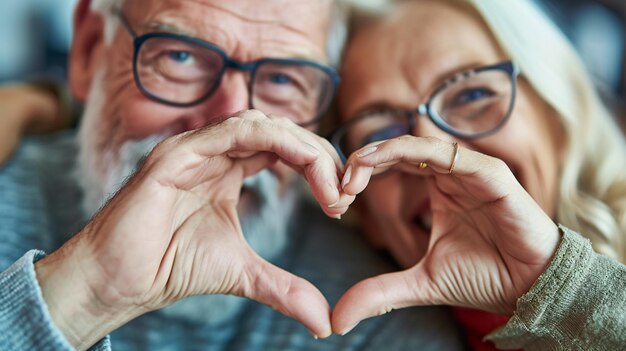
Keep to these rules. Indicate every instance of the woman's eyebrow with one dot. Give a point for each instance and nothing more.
(378, 105)
(456, 70)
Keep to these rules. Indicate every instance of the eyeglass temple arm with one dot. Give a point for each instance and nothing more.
(116, 11)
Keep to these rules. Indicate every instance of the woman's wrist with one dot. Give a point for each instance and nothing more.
(44, 108)
(33, 108)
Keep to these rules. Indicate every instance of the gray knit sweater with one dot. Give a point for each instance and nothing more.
(39, 209)
(578, 303)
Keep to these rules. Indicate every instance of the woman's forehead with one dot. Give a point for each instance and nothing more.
(414, 49)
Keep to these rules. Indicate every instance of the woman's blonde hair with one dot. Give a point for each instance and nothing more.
(592, 194)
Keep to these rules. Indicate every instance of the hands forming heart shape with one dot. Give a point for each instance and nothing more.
(173, 231)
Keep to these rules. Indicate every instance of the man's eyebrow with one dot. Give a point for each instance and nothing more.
(156, 26)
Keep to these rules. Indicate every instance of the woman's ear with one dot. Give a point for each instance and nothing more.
(87, 49)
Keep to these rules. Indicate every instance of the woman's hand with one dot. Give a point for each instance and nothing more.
(28, 109)
(489, 242)
(173, 231)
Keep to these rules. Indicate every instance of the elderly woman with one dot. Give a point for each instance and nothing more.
(478, 130)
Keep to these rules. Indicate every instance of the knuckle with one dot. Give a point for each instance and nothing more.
(497, 164)
(406, 138)
(251, 114)
(431, 140)
(233, 122)
(281, 119)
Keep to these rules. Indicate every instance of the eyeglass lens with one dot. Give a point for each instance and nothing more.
(184, 73)
(476, 104)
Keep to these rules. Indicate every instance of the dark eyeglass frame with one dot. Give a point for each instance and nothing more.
(426, 108)
(229, 63)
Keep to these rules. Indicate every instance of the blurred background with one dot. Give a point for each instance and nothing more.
(36, 35)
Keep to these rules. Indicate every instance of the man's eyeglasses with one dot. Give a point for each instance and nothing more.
(182, 71)
(470, 105)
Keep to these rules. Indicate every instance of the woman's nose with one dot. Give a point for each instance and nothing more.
(424, 126)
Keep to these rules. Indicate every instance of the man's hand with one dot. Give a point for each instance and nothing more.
(489, 241)
(173, 231)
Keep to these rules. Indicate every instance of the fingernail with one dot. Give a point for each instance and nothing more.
(311, 148)
(370, 150)
(313, 335)
(349, 329)
(338, 217)
(333, 188)
(346, 177)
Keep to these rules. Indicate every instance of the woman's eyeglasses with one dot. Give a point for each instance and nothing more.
(470, 105)
(183, 71)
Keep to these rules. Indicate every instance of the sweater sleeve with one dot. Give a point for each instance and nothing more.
(24, 320)
(578, 303)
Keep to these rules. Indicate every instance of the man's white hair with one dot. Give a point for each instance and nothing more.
(592, 184)
(336, 38)
(105, 7)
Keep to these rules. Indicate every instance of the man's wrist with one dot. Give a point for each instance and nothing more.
(73, 306)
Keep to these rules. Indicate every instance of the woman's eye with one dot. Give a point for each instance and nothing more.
(389, 132)
(471, 95)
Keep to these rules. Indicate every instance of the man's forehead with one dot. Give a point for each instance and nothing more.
(287, 21)
(297, 15)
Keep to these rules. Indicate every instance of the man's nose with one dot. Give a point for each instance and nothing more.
(230, 97)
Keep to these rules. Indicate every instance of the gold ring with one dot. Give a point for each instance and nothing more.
(454, 158)
(422, 165)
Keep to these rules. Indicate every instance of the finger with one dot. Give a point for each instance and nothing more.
(345, 200)
(335, 213)
(440, 156)
(323, 142)
(436, 153)
(323, 181)
(323, 174)
(235, 136)
(376, 296)
(254, 164)
(340, 208)
(288, 294)
(356, 178)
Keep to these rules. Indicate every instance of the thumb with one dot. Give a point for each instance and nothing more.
(288, 294)
(379, 295)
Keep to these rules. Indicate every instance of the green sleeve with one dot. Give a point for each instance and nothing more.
(578, 303)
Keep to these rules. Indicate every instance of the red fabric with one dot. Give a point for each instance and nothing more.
(477, 324)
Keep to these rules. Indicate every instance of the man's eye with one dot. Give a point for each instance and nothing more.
(279, 78)
(179, 56)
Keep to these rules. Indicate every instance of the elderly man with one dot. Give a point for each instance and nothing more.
(183, 74)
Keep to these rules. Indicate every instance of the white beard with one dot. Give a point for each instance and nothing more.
(101, 172)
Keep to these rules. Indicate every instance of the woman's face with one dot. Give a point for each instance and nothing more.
(396, 64)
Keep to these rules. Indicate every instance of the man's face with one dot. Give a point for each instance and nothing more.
(245, 30)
